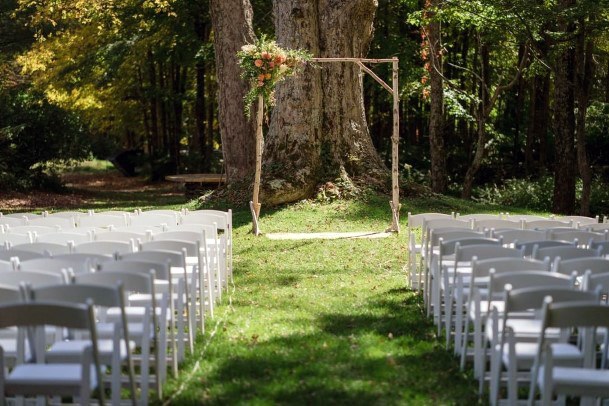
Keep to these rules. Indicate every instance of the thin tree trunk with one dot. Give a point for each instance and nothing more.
(232, 22)
(153, 103)
(439, 176)
(585, 76)
(564, 125)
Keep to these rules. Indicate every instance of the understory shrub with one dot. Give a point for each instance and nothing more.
(537, 194)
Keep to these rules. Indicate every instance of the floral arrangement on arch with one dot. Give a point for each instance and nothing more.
(265, 64)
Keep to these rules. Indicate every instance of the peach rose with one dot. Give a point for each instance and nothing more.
(267, 76)
(258, 62)
(271, 65)
(266, 55)
(260, 84)
(261, 77)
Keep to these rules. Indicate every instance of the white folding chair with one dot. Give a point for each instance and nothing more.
(531, 247)
(114, 352)
(36, 378)
(125, 236)
(143, 327)
(584, 380)
(479, 298)
(152, 220)
(55, 265)
(12, 221)
(545, 224)
(595, 265)
(20, 255)
(519, 330)
(497, 224)
(582, 221)
(581, 237)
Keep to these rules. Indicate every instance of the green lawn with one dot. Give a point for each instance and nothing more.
(322, 321)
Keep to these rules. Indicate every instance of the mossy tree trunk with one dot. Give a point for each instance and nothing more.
(318, 130)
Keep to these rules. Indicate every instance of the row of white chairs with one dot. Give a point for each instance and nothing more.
(419, 227)
(199, 280)
(468, 273)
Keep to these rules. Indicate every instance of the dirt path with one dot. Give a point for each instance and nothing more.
(91, 190)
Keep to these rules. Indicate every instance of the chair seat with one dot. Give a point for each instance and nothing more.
(578, 381)
(71, 351)
(58, 378)
(563, 354)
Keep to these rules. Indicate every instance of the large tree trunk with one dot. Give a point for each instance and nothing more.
(538, 123)
(346, 30)
(232, 23)
(318, 129)
(437, 152)
(564, 125)
(292, 150)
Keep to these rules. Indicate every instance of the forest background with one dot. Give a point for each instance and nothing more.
(501, 101)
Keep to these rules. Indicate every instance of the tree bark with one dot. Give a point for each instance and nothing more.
(537, 131)
(318, 129)
(232, 23)
(564, 124)
(437, 151)
(585, 76)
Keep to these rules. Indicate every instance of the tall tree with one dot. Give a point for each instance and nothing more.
(439, 177)
(232, 22)
(564, 117)
(318, 131)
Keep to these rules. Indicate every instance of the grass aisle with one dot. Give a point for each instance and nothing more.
(320, 321)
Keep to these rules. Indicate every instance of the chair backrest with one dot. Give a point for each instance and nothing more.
(65, 237)
(21, 215)
(478, 216)
(525, 217)
(21, 255)
(15, 239)
(63, 223)
(175, 258)
(36, 279)
(6, 266)
(161, 269)
(417, 220)
(449, 247)
(530, 247)
(482, 267)
(579, 220)
(592, 282)
(66, 214)
(13, 221)
(532, 298)
(484, 251)
(192, 236)
(523, 279)
(451, 233)
(580, 265)
(34, 229)
(565, 253)
(74, 265)
(87, 259)
(46, 248)
(510, 236)
(545, 224)
(104, 247)
(192, 247)
(125, 236)
(582, 237)
(596, 227)
(147, 230)
(497, 224)
(145, 219)
(103, 220)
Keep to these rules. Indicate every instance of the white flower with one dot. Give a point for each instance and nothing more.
(283, 68)
(249, 48)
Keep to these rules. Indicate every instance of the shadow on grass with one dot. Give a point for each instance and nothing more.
(381, 353)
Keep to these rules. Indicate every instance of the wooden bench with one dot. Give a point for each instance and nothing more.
(195, 181)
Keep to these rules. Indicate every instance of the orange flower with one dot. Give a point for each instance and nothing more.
(424, 80)
(267, 76)
(279, 59)
(258, 62)
(260, 84)
(271, 65)
(266, 55)
(261, 77)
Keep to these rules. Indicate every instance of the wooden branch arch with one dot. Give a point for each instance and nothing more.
(395, 138)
